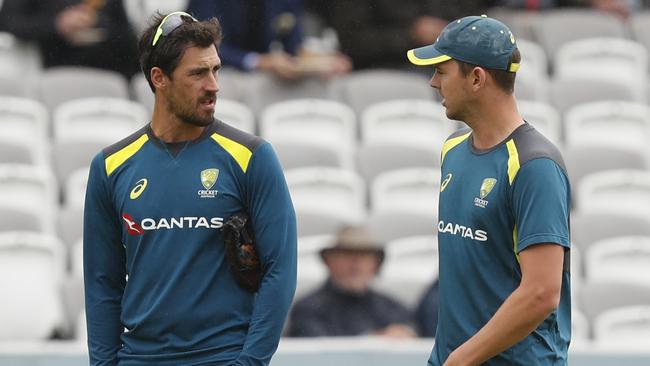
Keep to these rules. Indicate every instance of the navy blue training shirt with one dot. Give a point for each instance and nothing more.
(158, 289)
(494, 204)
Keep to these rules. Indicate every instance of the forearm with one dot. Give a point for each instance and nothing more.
(104, 269)
(271, 308)
(274, 226)
(517, 317)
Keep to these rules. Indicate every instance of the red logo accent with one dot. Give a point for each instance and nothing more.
(131, 226)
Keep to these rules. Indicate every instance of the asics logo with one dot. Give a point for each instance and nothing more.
(138, 189)
(445, 182)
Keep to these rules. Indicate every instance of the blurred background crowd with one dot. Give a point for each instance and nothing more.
(358, 131)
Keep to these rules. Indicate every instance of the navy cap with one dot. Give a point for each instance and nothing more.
(481, 41)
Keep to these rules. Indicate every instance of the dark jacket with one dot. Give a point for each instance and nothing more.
(377, 33)
(426, 314)
(34, 20)
(330, 311)
(252, 26)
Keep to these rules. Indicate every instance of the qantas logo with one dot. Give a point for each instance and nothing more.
(183, 222)
(131, 226)
(462, 231)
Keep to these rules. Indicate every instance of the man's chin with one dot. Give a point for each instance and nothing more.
(197, 121)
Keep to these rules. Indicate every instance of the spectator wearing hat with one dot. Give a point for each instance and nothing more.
(346, 305)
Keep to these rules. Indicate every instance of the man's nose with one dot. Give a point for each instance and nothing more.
(434, 82)
(212, 83)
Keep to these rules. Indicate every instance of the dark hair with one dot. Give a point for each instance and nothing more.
(169, 50)
(504, 79)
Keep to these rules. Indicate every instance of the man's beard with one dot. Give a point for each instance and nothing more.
(187, 115)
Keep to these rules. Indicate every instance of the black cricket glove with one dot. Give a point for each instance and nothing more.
(242, 258)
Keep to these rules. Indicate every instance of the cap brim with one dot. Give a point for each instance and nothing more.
(427, 55)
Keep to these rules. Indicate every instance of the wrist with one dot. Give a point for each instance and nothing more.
(251, 61)
(460, 358)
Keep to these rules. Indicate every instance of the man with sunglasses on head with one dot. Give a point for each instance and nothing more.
(159, 285)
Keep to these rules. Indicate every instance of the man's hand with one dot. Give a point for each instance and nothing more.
(325, 66)
(73, 20)
(280, 64)
(616, 7)
(426, 29)
(396, 331)
(456, 359)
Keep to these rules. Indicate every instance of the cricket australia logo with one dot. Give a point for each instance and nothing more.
(486, 188)
(208, 179)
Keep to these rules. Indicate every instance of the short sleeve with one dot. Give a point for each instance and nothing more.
(540, 203)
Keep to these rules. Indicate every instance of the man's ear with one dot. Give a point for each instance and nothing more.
(158, 78)
(478, 78)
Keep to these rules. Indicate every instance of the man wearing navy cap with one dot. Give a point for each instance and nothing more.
(503, 226)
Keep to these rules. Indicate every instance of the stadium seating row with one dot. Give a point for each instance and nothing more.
(391, 134)
(47, 300)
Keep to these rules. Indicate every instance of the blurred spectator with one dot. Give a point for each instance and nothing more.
(426, 315)
(622, 8)
(375, 33)
(94, 33)
(267, 35)
(345, 305)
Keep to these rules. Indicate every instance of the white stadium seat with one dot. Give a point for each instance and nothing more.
(408, 122)
(609, 123)
(328, 190)
(362, 89)
(624, 326)
(65, 83)
(317, 122)
(106, 120)
(31, 271)
(624, 191)
(377, 158)
(264, 89)
(616, 59)
(235, 114)
(29, 189)
(625, 258)
(24, 130)
(406, 190)
(557, 27)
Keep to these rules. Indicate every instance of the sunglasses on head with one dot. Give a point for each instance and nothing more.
(169, 24)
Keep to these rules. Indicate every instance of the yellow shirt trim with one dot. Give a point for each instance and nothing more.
(451, 143)
(239, 152)
(513, 160)
(115, 160)
(514, 240)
